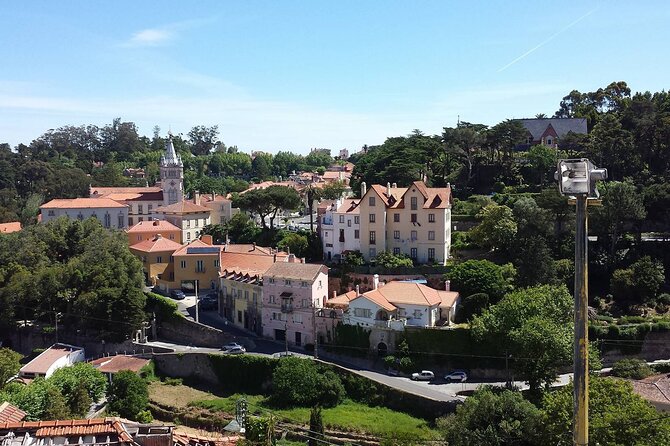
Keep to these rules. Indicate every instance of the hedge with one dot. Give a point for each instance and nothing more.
(245, 373)
(164, 308)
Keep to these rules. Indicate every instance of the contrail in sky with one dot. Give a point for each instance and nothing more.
(549, 39)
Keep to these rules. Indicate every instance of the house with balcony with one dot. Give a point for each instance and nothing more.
(241, 283)
(293, 293)
(397, 305)
(340, 229)
(414, 220)
(157, 260)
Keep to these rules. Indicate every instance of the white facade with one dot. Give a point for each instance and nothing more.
(172, 175)
(52, 359)
(111, 214)
(340, 229)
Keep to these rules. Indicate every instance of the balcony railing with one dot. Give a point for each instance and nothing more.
(286, 308)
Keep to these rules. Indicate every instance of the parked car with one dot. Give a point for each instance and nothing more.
(459, 377)
(177, 295)
(423, 375)
(209, 302)
(236, 350)
(230, 346)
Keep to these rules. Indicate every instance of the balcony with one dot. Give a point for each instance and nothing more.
(392, 324)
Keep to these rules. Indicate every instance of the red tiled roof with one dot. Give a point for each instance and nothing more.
(101, 191)
(82, 203)
(67, 428)
(153, 226)
(157, 244)
(12, 226)
(10, 413)
(342, 299)
(183, 207)
(296, 271)
(435, 197)
(46, 359)
(349, 206)
(184, 439)
(114, 364)
(409, 293)
(197, 244)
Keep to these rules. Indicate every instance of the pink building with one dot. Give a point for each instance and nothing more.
(292, 294)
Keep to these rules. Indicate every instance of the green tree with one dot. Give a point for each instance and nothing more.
(493, 418)
(465, 142)
(55, 406)
(638, 284)
(203, 139)
(632, 368)
(260, 167)
(315, 426)
(497, 228)
(617, 416)
(80, 385)
(9, 364)
(127, 394)
(256, 202)
(281, 198)
(298, 382)
(542, 158)
(241, 229)
(482, 276)
(390, 260)
(294, 243)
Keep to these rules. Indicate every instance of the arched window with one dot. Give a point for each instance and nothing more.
(172, 196)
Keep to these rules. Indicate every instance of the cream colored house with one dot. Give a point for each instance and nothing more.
(414, 220)
(111, 214)
(189, 217)
(340, 229)
(222, 209)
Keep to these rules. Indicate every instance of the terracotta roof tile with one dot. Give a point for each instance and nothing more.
(10, 413)
(393, 294)
(153, 226)
(7, 228)
(184, 250)
(45, 359)
(342, 299)
(349, 206)
(66, 428)
(249, 263)
(82, 203)
(296, 271)
(183, 207)
(157, 244)
(101, 191)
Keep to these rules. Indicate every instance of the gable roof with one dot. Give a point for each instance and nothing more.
(44, 360)
(82, 203)
(153, 226)
(537, 126)
(342, 299)
(114, 364)
(349, 206)
(307, 272)
(106, 430)
(12, 226)
(188, 249)
(250, 264)
(157, 244)
(183, 207)
(434, 197)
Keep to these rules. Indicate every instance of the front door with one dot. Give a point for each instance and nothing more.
(298, 338)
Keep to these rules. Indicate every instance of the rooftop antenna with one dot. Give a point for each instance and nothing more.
(458, 120)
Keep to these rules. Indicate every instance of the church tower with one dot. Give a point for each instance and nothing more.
(172, 174)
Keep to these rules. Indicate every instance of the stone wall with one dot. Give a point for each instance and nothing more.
(192, 366)
(187, 332)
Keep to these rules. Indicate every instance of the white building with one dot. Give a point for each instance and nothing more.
(398, 304)
(52, 359)
(111, 213)
(340, 229)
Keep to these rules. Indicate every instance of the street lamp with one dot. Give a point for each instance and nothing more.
(577, 178)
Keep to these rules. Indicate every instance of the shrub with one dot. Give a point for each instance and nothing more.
(128, 394)
(244, 373)
(173, 381)
(298, 382)
(406, 365)
(390, 361)
(472, 305)
(663, 367)
(631, 368)
(164, 308)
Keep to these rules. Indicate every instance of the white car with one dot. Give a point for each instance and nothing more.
(459, 377)
(423, 375)
(236, 351)
(231, 346)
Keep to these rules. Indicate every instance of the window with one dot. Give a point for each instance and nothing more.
(304, 284)
(413, 218)
(171, 276)
(139, 238)
(159, 259)
(197, 222)
(272, 300)
(297, 318)
(122, 220)
(396, 251)
(373, 237)
(341, 235)
(413, 253)
(188, 236)
(108, 220)
(431, 235)
(140, 219)
(217, 263)
(199, 266)
(287, 282)
(303, 303)
(246, 295)
(80, 217)
(548, 141)
(414, 236)
(357, 220)
(413, 203)
(271, 280)
(341, 218)
(372, 218)
(130, 221)
(182, 264)
(188, 223)
(417, 314)
(431, 218)
(371, 201)
(357, 234)
(362, 312)
(396, 235)
(150, 207)
(51, 213)
(396, 218)
(239, 316)
(373, 253)
(431, 254)
(348, 222)
(140, 209)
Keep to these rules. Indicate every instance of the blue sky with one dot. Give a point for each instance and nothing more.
(298, 74)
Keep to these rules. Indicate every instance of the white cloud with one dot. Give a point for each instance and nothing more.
(150, 37)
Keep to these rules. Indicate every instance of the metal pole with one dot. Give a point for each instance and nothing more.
(316, 336)
(580, 434)
(197, 315)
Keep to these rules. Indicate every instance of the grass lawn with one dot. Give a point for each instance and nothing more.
(348, 416)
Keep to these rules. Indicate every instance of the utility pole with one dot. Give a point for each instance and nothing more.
(316, 336)
(197, 315)
(581, 354)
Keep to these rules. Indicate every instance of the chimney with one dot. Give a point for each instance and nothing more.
(213, 195)
(375, 281)
(334, 294)
(155, 223)
(388, 190)
(364, 189)
(447, 285)
(253, 246)
(158, 237)
(291, 258)
(274, 258)
(196, 197)
(394, 185)
(302, 260)
(358, 290)
(207, 239)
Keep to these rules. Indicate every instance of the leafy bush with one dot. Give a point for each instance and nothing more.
(472, 305)
(390, 361)
(298, 382)
(662, 367)
(244, 373)
(631, 368)
(128, 394)
(173, 381)
(389, 260)
(9, 365)
(80, 385)
(406, 365)
(631, 320)
(164, 308)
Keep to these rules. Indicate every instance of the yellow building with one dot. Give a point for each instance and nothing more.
(156, 257)
(414, 220)
(187, 216)
(198, 261)
(148, 230)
